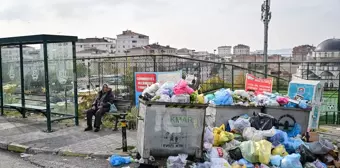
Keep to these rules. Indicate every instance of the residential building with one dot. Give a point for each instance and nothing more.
(105, 44)
(184, 52)
(326, 67)
(152, 49)
(128, 40)
(224, 52)
(241, 49)
(301, 52)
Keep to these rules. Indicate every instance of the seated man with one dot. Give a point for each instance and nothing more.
(100, 106)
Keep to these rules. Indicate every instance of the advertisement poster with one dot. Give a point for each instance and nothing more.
(145, 79)
(259, 85)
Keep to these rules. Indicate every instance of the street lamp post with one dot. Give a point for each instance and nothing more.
(265, 17)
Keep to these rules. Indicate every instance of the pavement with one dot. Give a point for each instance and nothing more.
(28, 136)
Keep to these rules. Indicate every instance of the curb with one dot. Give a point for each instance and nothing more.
(18, 148)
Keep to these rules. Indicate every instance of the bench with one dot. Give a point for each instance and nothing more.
(22, 110)
(123, 106)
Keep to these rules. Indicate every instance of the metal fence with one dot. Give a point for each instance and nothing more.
(118, 72)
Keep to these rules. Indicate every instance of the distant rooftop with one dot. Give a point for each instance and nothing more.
(92, 50)
(224, 47)
(241, 46)
(93, 40)
(131, 33)
(153, 46)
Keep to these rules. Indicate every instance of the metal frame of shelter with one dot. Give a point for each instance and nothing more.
(44, 40)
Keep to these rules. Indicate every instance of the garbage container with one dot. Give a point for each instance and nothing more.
(300, 116)
(167, 129)
(218, 115)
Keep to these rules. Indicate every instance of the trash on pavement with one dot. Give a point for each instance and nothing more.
(177, 161)
(116, 160)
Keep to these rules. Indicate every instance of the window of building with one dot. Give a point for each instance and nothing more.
(326, 85)
(134, 41)
(123, 46)
(331, 85)
(81, 46)
(133, 46)
(92, 45)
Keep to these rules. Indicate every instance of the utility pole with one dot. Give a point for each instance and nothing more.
(265, 17)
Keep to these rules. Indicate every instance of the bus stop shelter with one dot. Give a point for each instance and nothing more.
(38, 75)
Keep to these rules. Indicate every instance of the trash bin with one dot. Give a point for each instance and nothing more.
(168, 129)
(218, 115)
(300, 116)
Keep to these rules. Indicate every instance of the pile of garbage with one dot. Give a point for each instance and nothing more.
(169, 92)
(251, 142)
(182, 93)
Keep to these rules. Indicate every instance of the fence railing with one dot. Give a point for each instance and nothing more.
(118, 72)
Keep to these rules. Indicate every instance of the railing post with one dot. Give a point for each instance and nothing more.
(223, 69)
(232, 77)
(75, 85)
(154, 64)
(334, 118)
(47, 88)
(22, 76)
(326, 117)
(278, 79)
(1, 87)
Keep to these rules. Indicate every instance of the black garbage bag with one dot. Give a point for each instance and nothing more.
(235, 154)
(306, 154)
(263, 121)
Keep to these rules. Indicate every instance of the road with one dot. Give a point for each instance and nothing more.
(13, 160)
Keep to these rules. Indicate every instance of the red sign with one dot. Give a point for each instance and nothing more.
(258, 85)
(144, 80)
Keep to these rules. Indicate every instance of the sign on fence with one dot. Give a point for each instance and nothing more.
(145, 79)
(259, 85)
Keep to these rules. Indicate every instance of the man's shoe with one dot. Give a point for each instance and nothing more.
(88, 129)
(96, 130)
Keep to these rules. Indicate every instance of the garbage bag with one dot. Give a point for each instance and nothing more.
(240, 124)
(182, 88)
(217, 152)
(203, 165)
(219, 163)
(235, 153)
(321, 147)
(279, 137)
(151, 89)
(223, 97)
(282, 100)
(251, 133)
(309, 165)
(200, 99)
(279, 150)
(271, 103)
(231, 145)
(295, 131)
(237, 165)
(193, 97)
(319, 164)
(164, 98)
(177, 161)
(246, 163)
(208, 97)
(184, 98)
(292, 144)
(116, 160)
(221, 136)
(242, 93)
(291, 161)
(256, 151)
(275, 160)
(303, 104)
(263, 121)
(306, 154)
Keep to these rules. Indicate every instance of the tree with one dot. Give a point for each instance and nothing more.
(81, 70)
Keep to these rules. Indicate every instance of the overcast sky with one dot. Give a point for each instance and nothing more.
(196, 24)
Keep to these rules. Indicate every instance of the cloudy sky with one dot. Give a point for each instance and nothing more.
(197, 24)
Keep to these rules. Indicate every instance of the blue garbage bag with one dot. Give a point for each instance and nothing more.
(246, 163)
(291, 105)
(295, 131)
(276, 160)
(223, 97)
(303, 104)
(116, 160)
(279, 137)
(292, 144)
(291, 161)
